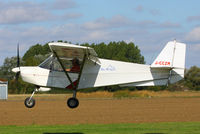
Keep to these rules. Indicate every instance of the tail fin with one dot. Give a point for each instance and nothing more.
(172, 57)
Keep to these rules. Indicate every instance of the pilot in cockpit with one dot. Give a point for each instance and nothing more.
(75, 65)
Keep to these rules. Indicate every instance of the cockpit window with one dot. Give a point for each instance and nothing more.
(56, 65)
(70, 65)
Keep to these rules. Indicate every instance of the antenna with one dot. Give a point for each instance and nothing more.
(175, 40)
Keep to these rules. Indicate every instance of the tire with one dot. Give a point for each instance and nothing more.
(72, 102)
(29, 104)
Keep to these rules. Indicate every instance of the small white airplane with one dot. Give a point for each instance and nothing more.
(77, 67)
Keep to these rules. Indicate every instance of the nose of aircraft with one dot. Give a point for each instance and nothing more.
(16, 69)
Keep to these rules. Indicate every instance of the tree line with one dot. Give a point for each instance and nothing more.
(120, 51)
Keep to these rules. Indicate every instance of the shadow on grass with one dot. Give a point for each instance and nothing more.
(64, 133)
(155, 133)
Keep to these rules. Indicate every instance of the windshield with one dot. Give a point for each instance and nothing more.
(46, 63)
(51, 63)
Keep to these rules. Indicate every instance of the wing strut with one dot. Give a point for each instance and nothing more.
(79, 76)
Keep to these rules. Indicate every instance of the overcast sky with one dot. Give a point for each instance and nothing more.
(150, 24)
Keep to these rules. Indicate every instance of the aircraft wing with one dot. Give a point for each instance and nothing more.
(69, 51)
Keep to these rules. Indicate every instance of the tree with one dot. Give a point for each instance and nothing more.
(192, 78)
(121, 51)
(6, 73)
(6, 68)
(36, 54)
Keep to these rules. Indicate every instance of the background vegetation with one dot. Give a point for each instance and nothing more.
(121, 51)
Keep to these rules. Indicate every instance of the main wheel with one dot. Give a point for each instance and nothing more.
(29, 103)
(72, 102)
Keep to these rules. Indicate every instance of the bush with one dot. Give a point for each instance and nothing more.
(129, 94)
(121, 94)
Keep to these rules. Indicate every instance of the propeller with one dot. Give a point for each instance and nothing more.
(17, 68)
(18, 60)
(18, 63)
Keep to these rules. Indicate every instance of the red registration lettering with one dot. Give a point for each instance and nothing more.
(162, 63)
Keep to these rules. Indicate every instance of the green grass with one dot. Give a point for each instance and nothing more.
(140, 128)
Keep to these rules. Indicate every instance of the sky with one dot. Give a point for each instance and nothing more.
(150, 24)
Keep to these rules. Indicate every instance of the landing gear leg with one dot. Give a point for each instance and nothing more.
(29, 101)
(73, 101)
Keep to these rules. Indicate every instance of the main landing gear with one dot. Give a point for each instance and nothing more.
(72, 102)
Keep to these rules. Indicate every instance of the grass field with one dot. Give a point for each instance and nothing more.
(142, 128)
(142, 112)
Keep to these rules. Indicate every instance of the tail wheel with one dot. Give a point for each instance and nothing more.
(72, 102)
(29, 102)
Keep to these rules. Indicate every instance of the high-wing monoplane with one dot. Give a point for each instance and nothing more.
(78, 67)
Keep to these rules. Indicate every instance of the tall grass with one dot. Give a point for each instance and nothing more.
(130, 94)
(117, 94)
